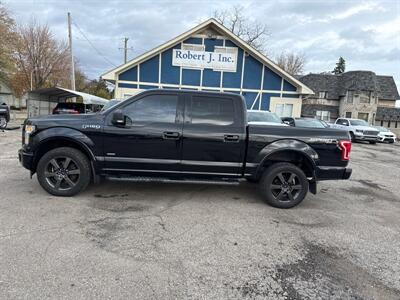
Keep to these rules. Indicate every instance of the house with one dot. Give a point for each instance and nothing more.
(353, 94)
(209, 57)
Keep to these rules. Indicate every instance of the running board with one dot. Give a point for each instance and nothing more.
(169, 180)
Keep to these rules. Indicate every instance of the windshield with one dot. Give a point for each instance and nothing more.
(263, 116)
(359, 123)
(109, 104)
(312, 123)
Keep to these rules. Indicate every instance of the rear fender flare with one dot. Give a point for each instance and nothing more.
(286, 145)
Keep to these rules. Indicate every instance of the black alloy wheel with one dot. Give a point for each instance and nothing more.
(283, 185)
(64, 171)
(286, 186)
(3, 122)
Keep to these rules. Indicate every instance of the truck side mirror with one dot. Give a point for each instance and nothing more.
(118, 118)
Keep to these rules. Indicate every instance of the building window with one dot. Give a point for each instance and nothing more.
(348, 114)
(363, 116)
(323, 115)
(284, 110)
(350, 95)
(365, 97)
(322, 95)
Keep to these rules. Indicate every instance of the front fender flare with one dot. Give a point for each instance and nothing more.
(64, 133)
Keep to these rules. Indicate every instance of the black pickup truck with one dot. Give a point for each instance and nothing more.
(183, 136)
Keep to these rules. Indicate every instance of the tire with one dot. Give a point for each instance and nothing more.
(352, 137)
(64, 171)
(3, 122)
(288, 193)
(372, 142)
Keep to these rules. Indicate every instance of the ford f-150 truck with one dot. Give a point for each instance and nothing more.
(182, 136)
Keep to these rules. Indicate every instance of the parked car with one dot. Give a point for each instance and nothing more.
(182, 136)
(69, 108)
(304, 122)
(4, 115)
(75, 108)
(385, 135)
(359, 130)
(259, 117)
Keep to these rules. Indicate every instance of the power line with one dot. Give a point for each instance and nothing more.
(91, 44)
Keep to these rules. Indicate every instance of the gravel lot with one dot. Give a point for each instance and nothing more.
(161, 241)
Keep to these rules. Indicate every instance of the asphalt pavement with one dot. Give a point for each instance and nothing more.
(169, 241)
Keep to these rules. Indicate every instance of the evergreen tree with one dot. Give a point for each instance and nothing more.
(340, 66)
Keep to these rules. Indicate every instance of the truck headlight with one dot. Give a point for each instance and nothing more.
(359, 130)
(29, 129)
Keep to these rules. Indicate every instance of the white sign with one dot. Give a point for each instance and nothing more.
(202, 59)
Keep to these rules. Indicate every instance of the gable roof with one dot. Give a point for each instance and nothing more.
(112, 74)
(338, 85)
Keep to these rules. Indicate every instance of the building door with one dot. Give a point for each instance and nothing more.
(150, 142)
(213, 136)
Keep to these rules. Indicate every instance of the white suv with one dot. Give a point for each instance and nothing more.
(359, 130)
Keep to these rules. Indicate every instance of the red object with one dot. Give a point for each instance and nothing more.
(345, 146)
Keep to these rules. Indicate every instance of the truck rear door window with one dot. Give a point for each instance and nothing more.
(212, 110)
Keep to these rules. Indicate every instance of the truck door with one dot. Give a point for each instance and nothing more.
(214, 136)
(150, 142)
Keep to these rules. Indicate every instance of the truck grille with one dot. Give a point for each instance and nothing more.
(370, 132)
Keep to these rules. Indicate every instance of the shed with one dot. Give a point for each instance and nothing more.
(43, 101)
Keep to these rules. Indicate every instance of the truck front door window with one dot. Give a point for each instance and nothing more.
(153, 108)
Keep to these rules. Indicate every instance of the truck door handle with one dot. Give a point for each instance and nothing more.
(228, 138)
(169, 135)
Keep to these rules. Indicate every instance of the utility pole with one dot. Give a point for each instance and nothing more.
(126, 50)
(71, 53)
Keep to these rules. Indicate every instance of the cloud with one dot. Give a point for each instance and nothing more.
(365, 33)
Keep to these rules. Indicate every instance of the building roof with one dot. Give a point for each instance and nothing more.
(55, 93)
(388, 114)
(338, 85)
(113, 74)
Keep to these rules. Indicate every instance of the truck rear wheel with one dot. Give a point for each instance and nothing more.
(64, 171)
(283, 185)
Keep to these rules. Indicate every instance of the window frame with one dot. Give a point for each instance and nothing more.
(124, 104)
(350, 92)
(284, 106)
(321, 116)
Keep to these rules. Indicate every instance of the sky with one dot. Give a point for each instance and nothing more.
(365, 33)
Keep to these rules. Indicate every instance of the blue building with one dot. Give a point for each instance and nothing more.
(209, 57)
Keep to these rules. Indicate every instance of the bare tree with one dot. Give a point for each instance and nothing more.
(253, 33)
(291, 62)
(7, 38)
(40, 58)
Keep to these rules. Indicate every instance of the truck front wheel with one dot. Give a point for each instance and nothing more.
(64, 171)
(283, 185)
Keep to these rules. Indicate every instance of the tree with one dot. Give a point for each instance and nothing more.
(7, 38)
(253, 33)
(40, 58)
(291, 62)
(340, 66)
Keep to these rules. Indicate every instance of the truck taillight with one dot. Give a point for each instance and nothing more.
(345, 147)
